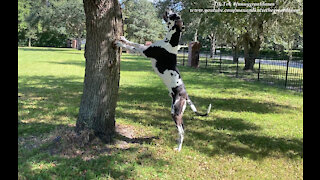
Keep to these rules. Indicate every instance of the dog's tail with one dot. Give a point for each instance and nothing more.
(194, 109)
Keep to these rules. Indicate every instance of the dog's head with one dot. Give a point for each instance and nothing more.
(173, 20)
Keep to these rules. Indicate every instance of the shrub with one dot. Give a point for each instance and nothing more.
(51, 39)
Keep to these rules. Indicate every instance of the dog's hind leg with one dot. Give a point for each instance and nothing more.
(177, 111)
(194, 109)
(181, 137)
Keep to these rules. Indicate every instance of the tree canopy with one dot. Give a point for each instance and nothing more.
(249, 30)
(141, 21)
(64, 17)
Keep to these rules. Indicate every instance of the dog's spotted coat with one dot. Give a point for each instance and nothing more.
(163, 55)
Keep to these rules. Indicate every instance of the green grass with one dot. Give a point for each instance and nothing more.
(254, 131)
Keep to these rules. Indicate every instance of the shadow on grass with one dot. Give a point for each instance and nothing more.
(48, 158)
(211, 135)
(160, 95)
(250, 145)
(34, 128)
(60, 98)
(112, 166)
(232, 124)
(47, 99)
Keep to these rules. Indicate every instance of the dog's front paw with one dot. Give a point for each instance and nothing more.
(118, 43)
(122, 38)
(177, 149)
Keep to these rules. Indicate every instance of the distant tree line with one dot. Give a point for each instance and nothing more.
(53, 22)
(50, 22)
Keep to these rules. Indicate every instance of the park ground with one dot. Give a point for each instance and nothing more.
(254, 131)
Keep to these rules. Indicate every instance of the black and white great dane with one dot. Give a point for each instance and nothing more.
(163, 55)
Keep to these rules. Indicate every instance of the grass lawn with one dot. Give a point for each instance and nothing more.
(254, 131)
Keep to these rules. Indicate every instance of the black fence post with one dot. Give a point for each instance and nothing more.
(220, 63)
(259, 70)
(183, 56)
(206, 59)
(285, 83)
(237, 68)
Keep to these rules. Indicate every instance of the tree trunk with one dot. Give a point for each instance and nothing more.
(195, 37)
(249, 63)
(194, 54)
(251, 47)
(102, 72)
(78, 43)
(249, 57)
(251, 51)
(29, 43)
(212, 45)
(235, 53)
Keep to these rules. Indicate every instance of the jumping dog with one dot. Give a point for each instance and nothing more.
(163, 55)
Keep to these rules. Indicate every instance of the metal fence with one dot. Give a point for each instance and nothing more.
(281, 72)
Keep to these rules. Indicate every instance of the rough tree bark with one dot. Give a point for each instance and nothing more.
(78, 43)
(235, 53)
(194, 54)
(251, 51)
(251, 47)
(102, 72)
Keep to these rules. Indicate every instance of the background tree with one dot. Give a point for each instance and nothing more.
(69, 17)
(102, 73)
(248, 30)
(287, 31)
(23, 12)
(252, 38)
(46, 20)
(229, 36)
(28, 20)
(141, 21)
